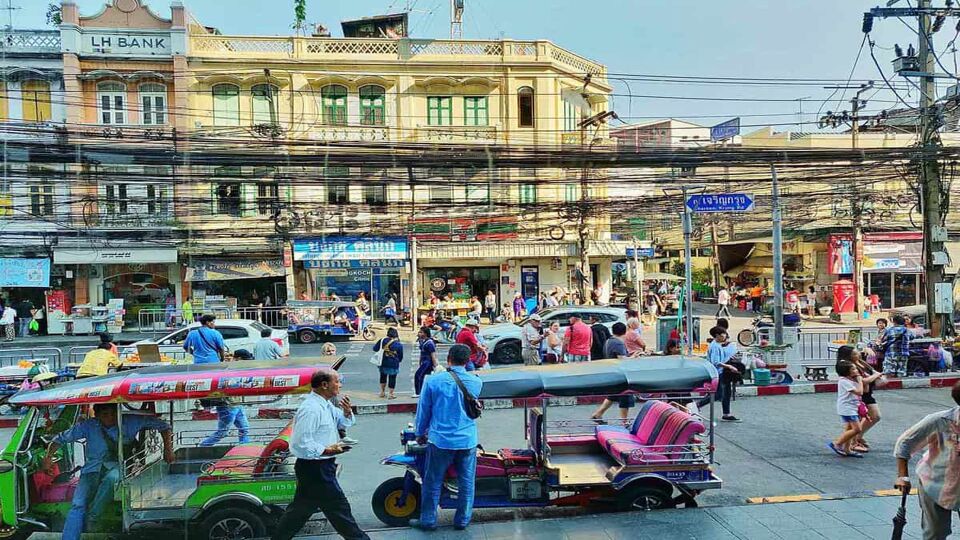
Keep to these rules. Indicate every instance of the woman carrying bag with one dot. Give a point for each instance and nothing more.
(390, 360)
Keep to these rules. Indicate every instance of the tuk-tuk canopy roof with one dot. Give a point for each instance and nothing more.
(646, 374)
(185, 381)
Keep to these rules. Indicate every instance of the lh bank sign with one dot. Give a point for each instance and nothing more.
(123, 43)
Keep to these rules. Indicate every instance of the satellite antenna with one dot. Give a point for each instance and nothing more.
(456, 19)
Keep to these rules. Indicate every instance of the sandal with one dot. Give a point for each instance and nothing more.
(383, 395)
(861, 449)
(837, 450)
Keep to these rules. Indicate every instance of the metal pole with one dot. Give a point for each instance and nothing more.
(414, 289)
(688, 271)
(777, 262)
(637, 270)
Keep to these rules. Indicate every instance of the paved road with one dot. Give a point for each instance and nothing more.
(779, 449)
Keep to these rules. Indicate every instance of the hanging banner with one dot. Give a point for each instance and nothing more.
(24, 272)
(840, 254)
(222, 269)
(893, 257)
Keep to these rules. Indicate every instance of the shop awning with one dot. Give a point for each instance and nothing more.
(495, 250)
(207, 269)
(71, 255)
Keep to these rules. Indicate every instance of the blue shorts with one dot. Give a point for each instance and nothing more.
(846, 419)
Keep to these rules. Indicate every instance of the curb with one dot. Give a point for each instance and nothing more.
(827, 497)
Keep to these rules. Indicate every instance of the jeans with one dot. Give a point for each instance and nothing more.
(318, 489)
(935, 520)
(25, 326)
(491, 314)
(438, 461)
(94, 492)
(723, 309)
(723, 395)
(227, 415)
(425, 369)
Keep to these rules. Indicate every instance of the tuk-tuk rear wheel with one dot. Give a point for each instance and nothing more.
(645, 497)
(21, 533)
(232, 524)
(307, 336)
(385, 503)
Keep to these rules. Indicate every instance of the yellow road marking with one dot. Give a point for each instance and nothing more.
(825, 497)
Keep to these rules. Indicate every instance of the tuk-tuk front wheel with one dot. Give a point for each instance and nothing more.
(369, 334)
(232, 524)
(387, 507)
(307, 336)
(645, 497)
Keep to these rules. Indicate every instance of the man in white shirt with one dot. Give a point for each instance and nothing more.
(315, 444)
(7, 320)
(723, 301)
(530, 338)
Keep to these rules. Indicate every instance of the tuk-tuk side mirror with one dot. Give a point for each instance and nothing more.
(5, 466)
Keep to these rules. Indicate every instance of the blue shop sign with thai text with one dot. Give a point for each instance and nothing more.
(356, 263)
(720, 202)
(647, 252)
(24, 272)
(345, 248)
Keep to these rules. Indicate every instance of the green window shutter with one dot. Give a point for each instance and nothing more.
(475, 111)
(226, 105)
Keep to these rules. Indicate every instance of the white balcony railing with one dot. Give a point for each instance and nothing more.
(456, 134)
(32, 41)
(302, 48)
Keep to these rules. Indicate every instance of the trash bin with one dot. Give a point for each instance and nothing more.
(667, 323)
(761, 377)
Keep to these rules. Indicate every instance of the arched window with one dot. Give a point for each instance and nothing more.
(263, 103)
(372, 105)
(36, 101)
(334, 104)
(226, 105)
(112, 97)
(153, 100)
(525, 106)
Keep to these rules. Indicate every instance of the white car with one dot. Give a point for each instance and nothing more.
(503, 340)
(237, 334)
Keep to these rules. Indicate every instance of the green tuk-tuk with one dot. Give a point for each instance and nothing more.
(222, 491)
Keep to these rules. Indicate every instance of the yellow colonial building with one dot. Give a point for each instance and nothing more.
(171, 116)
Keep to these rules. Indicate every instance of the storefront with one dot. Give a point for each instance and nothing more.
(346, 266)
(23, 282)
(143, 278)
(252, 281)
(892, 266)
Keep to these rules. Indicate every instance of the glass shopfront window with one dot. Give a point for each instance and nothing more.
(461, 282)
(142, 286)
(879, 284)
(906, 289)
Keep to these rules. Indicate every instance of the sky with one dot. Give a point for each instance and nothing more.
(773, 39)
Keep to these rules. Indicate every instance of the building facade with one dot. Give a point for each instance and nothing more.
(156, 230)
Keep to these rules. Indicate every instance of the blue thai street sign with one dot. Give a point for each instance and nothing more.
(725, 130)
(721, 202)
(642, 252)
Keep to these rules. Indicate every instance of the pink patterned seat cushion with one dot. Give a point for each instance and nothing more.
(625, 447)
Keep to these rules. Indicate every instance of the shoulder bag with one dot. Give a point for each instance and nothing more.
(472, 405)
(377, 358)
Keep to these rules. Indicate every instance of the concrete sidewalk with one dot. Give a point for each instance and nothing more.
(846, 519)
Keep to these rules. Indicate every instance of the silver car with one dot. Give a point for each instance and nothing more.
(503, 340)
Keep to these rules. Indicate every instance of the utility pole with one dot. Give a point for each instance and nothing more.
(857, 207)
(777, 261)
(923, 66)
(929, 169)
(582, 230)
(715, 246)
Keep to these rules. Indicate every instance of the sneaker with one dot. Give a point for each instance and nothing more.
(855, 454)
(349, 441)
(693, 409)
(730, 418)
(415, 396)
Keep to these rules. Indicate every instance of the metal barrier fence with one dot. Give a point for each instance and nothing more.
(51, 355)
(159, 321)
(75, 354)
(272, 316)
(815, 343)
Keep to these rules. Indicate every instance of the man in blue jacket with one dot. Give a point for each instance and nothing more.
(451, 437)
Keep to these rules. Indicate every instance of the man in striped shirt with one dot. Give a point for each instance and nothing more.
(938, 469)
